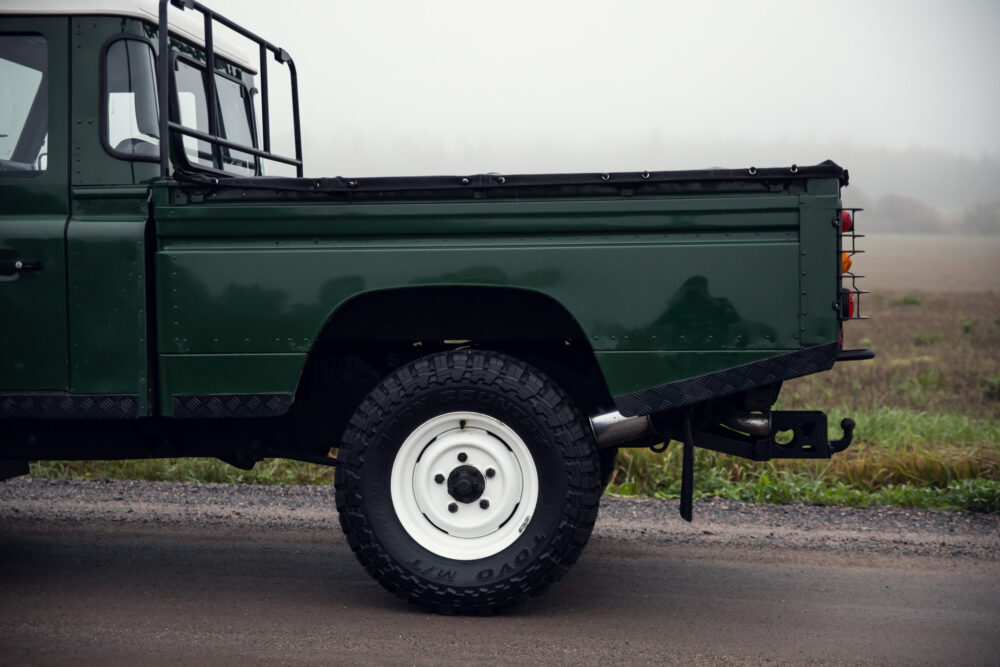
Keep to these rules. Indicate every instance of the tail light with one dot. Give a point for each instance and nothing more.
(846, 221)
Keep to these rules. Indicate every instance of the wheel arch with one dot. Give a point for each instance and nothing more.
(371, 333)
(467, 311)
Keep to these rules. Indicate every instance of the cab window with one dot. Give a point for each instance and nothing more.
(233, 106)
(24, 105)
(131, 118)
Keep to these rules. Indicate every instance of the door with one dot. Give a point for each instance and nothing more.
(34, 167)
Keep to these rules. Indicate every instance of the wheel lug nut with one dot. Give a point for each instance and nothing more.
(490, 472)
(453, 508)
(484, 504)
(463, 457)
(439, 478)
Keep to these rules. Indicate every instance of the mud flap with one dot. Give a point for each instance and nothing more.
(687, 469)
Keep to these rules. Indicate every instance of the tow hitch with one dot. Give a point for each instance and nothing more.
(793, 435)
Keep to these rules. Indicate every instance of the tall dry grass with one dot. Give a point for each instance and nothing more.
(937, 353)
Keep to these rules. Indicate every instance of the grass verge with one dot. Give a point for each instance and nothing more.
(268, 471)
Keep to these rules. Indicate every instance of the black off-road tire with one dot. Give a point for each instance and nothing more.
(609, 459)
(538, 411)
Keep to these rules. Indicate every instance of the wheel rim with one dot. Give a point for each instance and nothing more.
(464, 485)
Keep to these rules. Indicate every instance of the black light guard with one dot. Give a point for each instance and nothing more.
(849, 289)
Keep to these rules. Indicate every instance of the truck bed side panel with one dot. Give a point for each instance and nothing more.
(664, 288)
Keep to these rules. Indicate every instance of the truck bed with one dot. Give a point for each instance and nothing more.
(672, 279)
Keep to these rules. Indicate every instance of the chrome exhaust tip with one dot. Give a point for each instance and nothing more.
(613, 429)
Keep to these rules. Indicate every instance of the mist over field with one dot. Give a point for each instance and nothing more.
(909, 190)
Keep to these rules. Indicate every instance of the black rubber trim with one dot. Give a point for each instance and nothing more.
(730, 381)
(60, 405)
(827, 169)
(855, 355)
(216, 406)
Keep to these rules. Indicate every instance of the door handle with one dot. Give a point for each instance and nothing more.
(9, 267)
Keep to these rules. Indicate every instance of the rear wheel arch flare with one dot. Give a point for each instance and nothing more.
(476, 312)
(523, 322)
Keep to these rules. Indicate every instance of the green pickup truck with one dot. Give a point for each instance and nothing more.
(469, 351)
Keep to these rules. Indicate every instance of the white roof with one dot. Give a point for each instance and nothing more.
(187, 24)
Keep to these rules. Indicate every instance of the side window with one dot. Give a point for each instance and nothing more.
(193, 109)
(234, 119)
(24, 105)
(132, 120)
(234, 124)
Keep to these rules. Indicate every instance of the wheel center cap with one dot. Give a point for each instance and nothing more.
(466, 484)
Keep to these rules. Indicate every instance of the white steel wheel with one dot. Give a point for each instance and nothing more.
(464, 485)
(440, 483)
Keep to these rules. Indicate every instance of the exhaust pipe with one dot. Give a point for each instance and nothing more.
(613, 429)
(754, 423)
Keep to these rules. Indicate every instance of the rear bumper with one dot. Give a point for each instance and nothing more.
(855, 355)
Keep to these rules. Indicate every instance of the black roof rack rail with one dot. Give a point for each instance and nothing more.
(212, 136)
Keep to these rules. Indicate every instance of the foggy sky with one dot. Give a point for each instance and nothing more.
(393, 88)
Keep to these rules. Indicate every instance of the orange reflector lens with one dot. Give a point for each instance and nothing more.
(845, 262)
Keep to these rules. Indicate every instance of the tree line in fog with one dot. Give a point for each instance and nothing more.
(899, 214)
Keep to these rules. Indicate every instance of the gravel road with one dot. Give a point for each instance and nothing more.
(162, 573)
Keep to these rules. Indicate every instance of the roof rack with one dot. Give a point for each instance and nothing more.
(212, 136)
